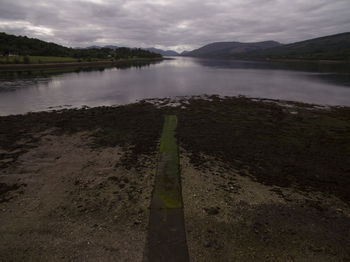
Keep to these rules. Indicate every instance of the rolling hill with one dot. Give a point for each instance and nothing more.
(334, 47)
(230, 48)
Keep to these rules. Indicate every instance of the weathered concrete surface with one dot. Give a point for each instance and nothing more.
(166, 233)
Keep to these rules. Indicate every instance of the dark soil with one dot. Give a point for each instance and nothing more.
(135, 126)
(295, 147)
(308, 148)
(5, 188)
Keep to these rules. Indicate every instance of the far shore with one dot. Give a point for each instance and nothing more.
(17, 67)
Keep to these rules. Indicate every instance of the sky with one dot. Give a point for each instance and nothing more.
(172, 24)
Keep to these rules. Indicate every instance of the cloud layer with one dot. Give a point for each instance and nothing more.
(169, 24)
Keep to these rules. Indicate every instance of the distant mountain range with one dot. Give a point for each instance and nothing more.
(114, 47)
(185, 53)
(162, 52)
(151, 49)
(334, 47)
(230, 48)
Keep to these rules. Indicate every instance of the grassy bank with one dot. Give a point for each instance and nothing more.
(73, 64)
(35, 59)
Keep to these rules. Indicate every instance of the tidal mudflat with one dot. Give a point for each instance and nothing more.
(263, 180)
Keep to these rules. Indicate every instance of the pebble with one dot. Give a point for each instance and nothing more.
(207, 244)
(212, 210)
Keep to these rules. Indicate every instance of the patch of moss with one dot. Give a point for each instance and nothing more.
(168, 183)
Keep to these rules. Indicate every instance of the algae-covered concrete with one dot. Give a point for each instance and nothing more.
(166, 232)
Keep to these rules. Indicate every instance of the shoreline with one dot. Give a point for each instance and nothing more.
(173, 102)
(19, 67)
(252, 183)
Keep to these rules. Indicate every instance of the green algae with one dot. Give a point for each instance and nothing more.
(168, 185)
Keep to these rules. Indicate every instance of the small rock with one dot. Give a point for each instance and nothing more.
(207, 244)
(114, 178)
(7, 160)
(212, 210)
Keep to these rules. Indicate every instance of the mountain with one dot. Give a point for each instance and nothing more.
(230, 48)
(92, 47)
(333, 47)
(162, 52)
(183, 53)
(114, 47)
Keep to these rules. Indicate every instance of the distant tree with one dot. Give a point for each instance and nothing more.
(26, 59)
(25, 46)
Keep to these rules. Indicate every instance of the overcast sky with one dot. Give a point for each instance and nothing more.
(172, 24)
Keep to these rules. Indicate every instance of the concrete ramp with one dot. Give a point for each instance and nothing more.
(166, 240)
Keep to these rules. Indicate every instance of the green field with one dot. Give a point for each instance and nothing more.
(36, 59)
(56, 59)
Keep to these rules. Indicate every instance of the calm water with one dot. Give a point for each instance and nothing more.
(21, 92)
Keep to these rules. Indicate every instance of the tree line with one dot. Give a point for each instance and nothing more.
(24, 46)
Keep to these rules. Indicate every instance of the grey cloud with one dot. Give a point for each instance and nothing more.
(173, 24)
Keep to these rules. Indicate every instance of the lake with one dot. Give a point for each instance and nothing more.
(21, 92)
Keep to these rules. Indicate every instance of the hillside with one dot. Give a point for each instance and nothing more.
(98, 47)
(334, 47)
(24, 46)
(162, 52)
(230, 48)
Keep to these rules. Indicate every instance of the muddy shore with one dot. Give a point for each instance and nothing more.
(262, 180)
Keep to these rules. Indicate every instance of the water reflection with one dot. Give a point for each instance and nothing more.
(339, 68)
(12, 80)
(335, 73)
(21, 92)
